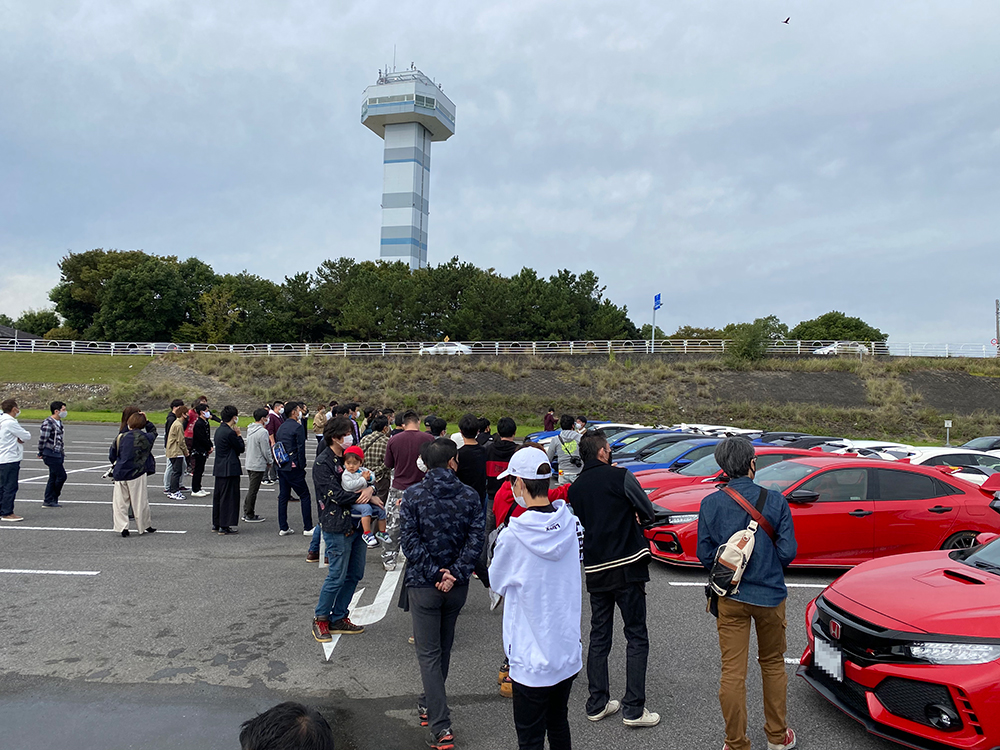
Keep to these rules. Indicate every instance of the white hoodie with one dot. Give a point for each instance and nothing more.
(12, 451)
(536, 568)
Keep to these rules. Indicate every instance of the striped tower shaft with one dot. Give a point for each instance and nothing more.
(407, 167)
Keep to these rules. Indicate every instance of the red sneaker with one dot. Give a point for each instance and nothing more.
(443, 740)
(321, 631)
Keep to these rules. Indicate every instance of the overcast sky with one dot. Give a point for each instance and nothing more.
(705, 150)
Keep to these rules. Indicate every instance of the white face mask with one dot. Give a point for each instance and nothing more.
(62, 414)
(348, 441)
(280, 410)
(236, 422)
(519, 499)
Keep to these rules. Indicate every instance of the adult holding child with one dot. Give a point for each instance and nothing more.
(132, 457)
(226, 472)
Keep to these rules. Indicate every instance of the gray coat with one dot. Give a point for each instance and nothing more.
(258, 448)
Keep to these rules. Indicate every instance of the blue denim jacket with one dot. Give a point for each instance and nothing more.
(720, 517)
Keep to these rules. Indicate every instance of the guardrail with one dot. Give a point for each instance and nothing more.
(494, 348)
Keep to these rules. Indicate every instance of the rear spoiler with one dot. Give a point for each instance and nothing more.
(992, 485)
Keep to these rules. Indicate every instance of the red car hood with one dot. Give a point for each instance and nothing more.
(684, 499)
(660, 480)
(927, 591)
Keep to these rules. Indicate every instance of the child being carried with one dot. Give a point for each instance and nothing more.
(355, 479)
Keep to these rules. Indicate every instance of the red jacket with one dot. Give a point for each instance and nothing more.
(505, 498)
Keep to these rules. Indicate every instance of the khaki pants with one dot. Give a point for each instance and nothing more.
(734, 643)
(133, 491)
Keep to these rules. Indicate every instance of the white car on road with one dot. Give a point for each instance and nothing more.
(445, 347)
(843, 347)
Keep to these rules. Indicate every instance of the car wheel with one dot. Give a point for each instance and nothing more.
(961, 540)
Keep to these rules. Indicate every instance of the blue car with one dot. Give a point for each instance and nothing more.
(674, 456)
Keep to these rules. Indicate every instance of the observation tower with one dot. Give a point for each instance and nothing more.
(408, 111)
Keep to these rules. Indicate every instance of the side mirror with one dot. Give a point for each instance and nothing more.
(986, 537)
(679, 464)
(803, 496)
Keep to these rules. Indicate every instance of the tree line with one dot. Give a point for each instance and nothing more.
(116, 295)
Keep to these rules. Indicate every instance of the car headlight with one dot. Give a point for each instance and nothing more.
(682, 518)
(955, 653)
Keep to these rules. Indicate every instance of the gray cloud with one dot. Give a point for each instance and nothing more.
(706, 151)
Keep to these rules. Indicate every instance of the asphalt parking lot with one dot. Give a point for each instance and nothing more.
(170, 640)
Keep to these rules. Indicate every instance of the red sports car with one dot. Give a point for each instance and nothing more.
(848, 510)
(706, 471)
(909, 647)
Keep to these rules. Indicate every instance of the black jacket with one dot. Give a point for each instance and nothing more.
(171, 417)
(498, 454)
(606, 499)
(292, 435)
(228, 447)
(201, 437)
(472, 468)
(334, 501)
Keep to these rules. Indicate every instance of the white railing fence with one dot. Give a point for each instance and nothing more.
(493, 348)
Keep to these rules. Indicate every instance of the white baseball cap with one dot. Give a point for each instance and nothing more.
(527, 463)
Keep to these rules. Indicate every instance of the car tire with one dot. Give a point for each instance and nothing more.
(961, 540)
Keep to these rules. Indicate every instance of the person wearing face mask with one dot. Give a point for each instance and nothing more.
(536, 568)
(259, 460)
(564, 451)
(292, 476)
(274, 419)
(51, 449)
(12, 440)
(611, 504)
(226, 472)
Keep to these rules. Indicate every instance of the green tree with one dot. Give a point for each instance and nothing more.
(691, 332)
(646, 332)
(146, 302)
(749, 341)
(836, 326)
(38, 322)
(84, 277)
(6, 320)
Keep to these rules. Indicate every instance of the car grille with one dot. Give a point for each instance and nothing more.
(848, 692)
(864, 643)
(910, 698)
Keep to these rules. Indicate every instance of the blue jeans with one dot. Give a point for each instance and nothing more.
(314, 543)
(347, 568)
(288, 480)
(57, 478)
(8, 486)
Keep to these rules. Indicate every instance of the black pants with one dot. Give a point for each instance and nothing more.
(434, 615)
(57, 478)
(175, 476)
(538, 710)
(198, 471)
(631, 601)
(226, 502)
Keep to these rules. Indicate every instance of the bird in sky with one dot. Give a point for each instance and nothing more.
(787, 19)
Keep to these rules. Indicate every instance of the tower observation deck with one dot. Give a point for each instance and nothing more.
(408, 111)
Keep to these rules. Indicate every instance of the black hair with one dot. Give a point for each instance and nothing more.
(734, 455)
(340, 411)
(199, 408)
(536, 487)
(437, 453)
(410, 417)
(583, 420)
(56, 406)
(351, 405)
(228, 412)
(398, 419)
(287, 726)
(437, 425)
(379, 423)
(276, 401)
(176, 402)
(259, 414)
(506, 427)
(468, 425)
(368, 411)
(336, 428)
(484, 424)
(566, 422)
(591, 443)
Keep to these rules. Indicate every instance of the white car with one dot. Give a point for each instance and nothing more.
(974, 466)
(877, 449)
(714, 430)
(445, 347)
(843, 347)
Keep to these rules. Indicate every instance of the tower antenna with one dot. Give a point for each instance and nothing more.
(394, 58)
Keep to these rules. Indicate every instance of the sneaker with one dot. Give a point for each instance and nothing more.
(307, 533)
(200, 493)
(12, 518)
(321, 631)
(504, 673)
(507, 688)
(443, 740)
(149, 530)
(227, 530)
(788, 744)
(346, 627)
(182, 488)
(422, 715)
(370, 540)
(382, 537)
(176, 496)
(312, 557)
(51, 505)
(411, 640)
(389, 566)
(286, 532)
(124, 531)
(268, 482)
(254, 519)
(611, 708)
(647, 719)
(166, 492)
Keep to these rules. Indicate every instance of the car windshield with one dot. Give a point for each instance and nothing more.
(610, 432)
(706, 466)
(985, 557)
(782, 475)
(632, 443)
(980, 444)
(668, 454)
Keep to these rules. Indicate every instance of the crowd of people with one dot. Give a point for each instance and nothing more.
(456, 508)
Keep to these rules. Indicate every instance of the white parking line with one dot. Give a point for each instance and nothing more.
(65, 461)
(13, 571)
(176, 504)
(67, 528)
(74, 471)
(371, 613)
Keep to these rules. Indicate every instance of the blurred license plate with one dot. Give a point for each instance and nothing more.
(829, 658)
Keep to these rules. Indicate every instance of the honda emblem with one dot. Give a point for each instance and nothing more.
(835, 630)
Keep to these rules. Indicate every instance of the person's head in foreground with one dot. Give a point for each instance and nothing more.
(287, 726)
